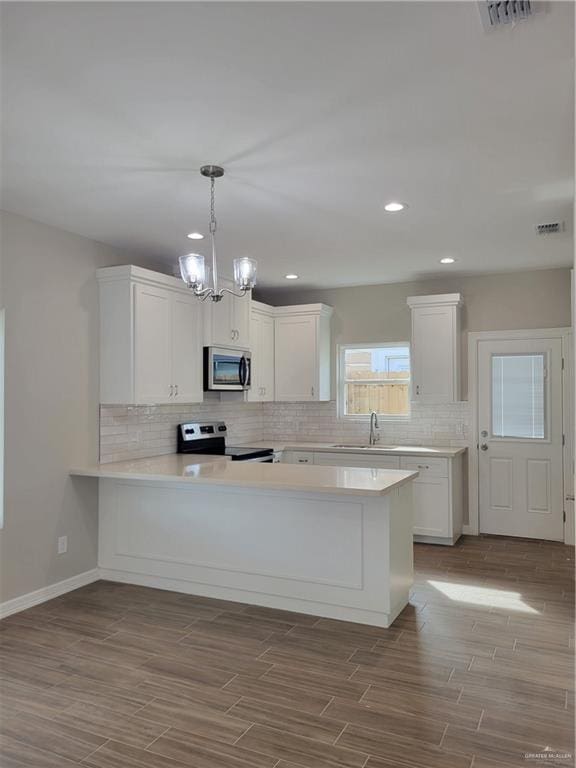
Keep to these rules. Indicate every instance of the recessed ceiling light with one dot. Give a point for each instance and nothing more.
(395, 207)
(195, 236)
(447, 260)
(291, 277)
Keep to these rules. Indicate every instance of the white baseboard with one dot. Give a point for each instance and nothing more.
(281, 602)
(23, 602)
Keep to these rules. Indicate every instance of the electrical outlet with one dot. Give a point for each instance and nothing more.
(62, 545)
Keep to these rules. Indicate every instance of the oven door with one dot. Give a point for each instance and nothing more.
(226, 369)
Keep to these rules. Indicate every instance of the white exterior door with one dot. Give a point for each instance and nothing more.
(187, 349)
(520, 438)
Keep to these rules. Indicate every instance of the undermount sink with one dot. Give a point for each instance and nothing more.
(365, 447)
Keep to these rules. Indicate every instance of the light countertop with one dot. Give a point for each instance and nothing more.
(438, 451)
(217, 470)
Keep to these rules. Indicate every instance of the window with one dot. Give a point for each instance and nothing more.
(518, 396)
(374, 377)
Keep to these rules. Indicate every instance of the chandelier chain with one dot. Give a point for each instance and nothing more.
(212, 214)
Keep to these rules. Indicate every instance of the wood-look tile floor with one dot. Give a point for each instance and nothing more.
(475, 673)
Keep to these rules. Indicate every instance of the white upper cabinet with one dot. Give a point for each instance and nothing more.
(435, 348)
(150, 338)
(262, 348)
(152, 347)
(187, 333)
(302, 352)
(227, 322)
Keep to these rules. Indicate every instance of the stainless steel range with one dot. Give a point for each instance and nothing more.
(209, 437)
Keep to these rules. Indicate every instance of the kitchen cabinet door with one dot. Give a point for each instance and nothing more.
(152, 345)
(370, 460)
(241, 320)
(227, 322)
(267, 354)
(432, 508)
(262, 348)
(435, 348)
(187, 349)
(296, 358)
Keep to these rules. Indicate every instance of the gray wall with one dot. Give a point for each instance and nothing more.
(506, 301)
(48, 287)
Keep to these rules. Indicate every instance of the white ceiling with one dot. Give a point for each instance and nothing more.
(320, 113)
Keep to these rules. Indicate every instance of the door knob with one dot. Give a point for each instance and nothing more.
(484, 447)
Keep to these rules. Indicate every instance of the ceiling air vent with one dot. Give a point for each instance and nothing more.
(550, 229)
(496, 13)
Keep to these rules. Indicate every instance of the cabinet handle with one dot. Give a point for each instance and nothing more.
(302, 461)
(417, 389)
(423, 466)
(171, 389)
(312, 391)
(175, 390)
(232, 334)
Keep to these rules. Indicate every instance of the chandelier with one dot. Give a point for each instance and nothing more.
(193, 267)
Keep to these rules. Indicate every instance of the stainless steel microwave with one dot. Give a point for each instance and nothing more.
(226, 369)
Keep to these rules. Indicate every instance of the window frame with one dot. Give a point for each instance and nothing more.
(341, 382)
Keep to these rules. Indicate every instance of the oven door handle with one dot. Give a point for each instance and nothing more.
(257, 460)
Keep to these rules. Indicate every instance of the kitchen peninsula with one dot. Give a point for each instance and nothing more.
(329, 541)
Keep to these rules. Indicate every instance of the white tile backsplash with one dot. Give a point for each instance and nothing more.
(128, 432)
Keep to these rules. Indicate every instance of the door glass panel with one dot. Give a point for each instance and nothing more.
(518, 396)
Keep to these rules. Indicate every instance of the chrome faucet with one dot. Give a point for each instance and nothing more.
(373, 427)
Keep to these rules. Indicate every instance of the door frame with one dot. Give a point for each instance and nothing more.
(565, 335)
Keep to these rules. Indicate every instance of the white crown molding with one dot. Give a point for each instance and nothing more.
(31, 599)
(435, 300)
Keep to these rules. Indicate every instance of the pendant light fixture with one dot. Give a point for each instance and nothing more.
(193, 267)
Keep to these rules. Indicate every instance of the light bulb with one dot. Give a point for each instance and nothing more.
(245, 272)
(193, 270)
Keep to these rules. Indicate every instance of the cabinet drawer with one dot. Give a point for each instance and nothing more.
(427, 467)
(369, 461)
(301, 457)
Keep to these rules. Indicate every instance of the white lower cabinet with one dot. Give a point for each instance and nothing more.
(297, 457)
(437, 491)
